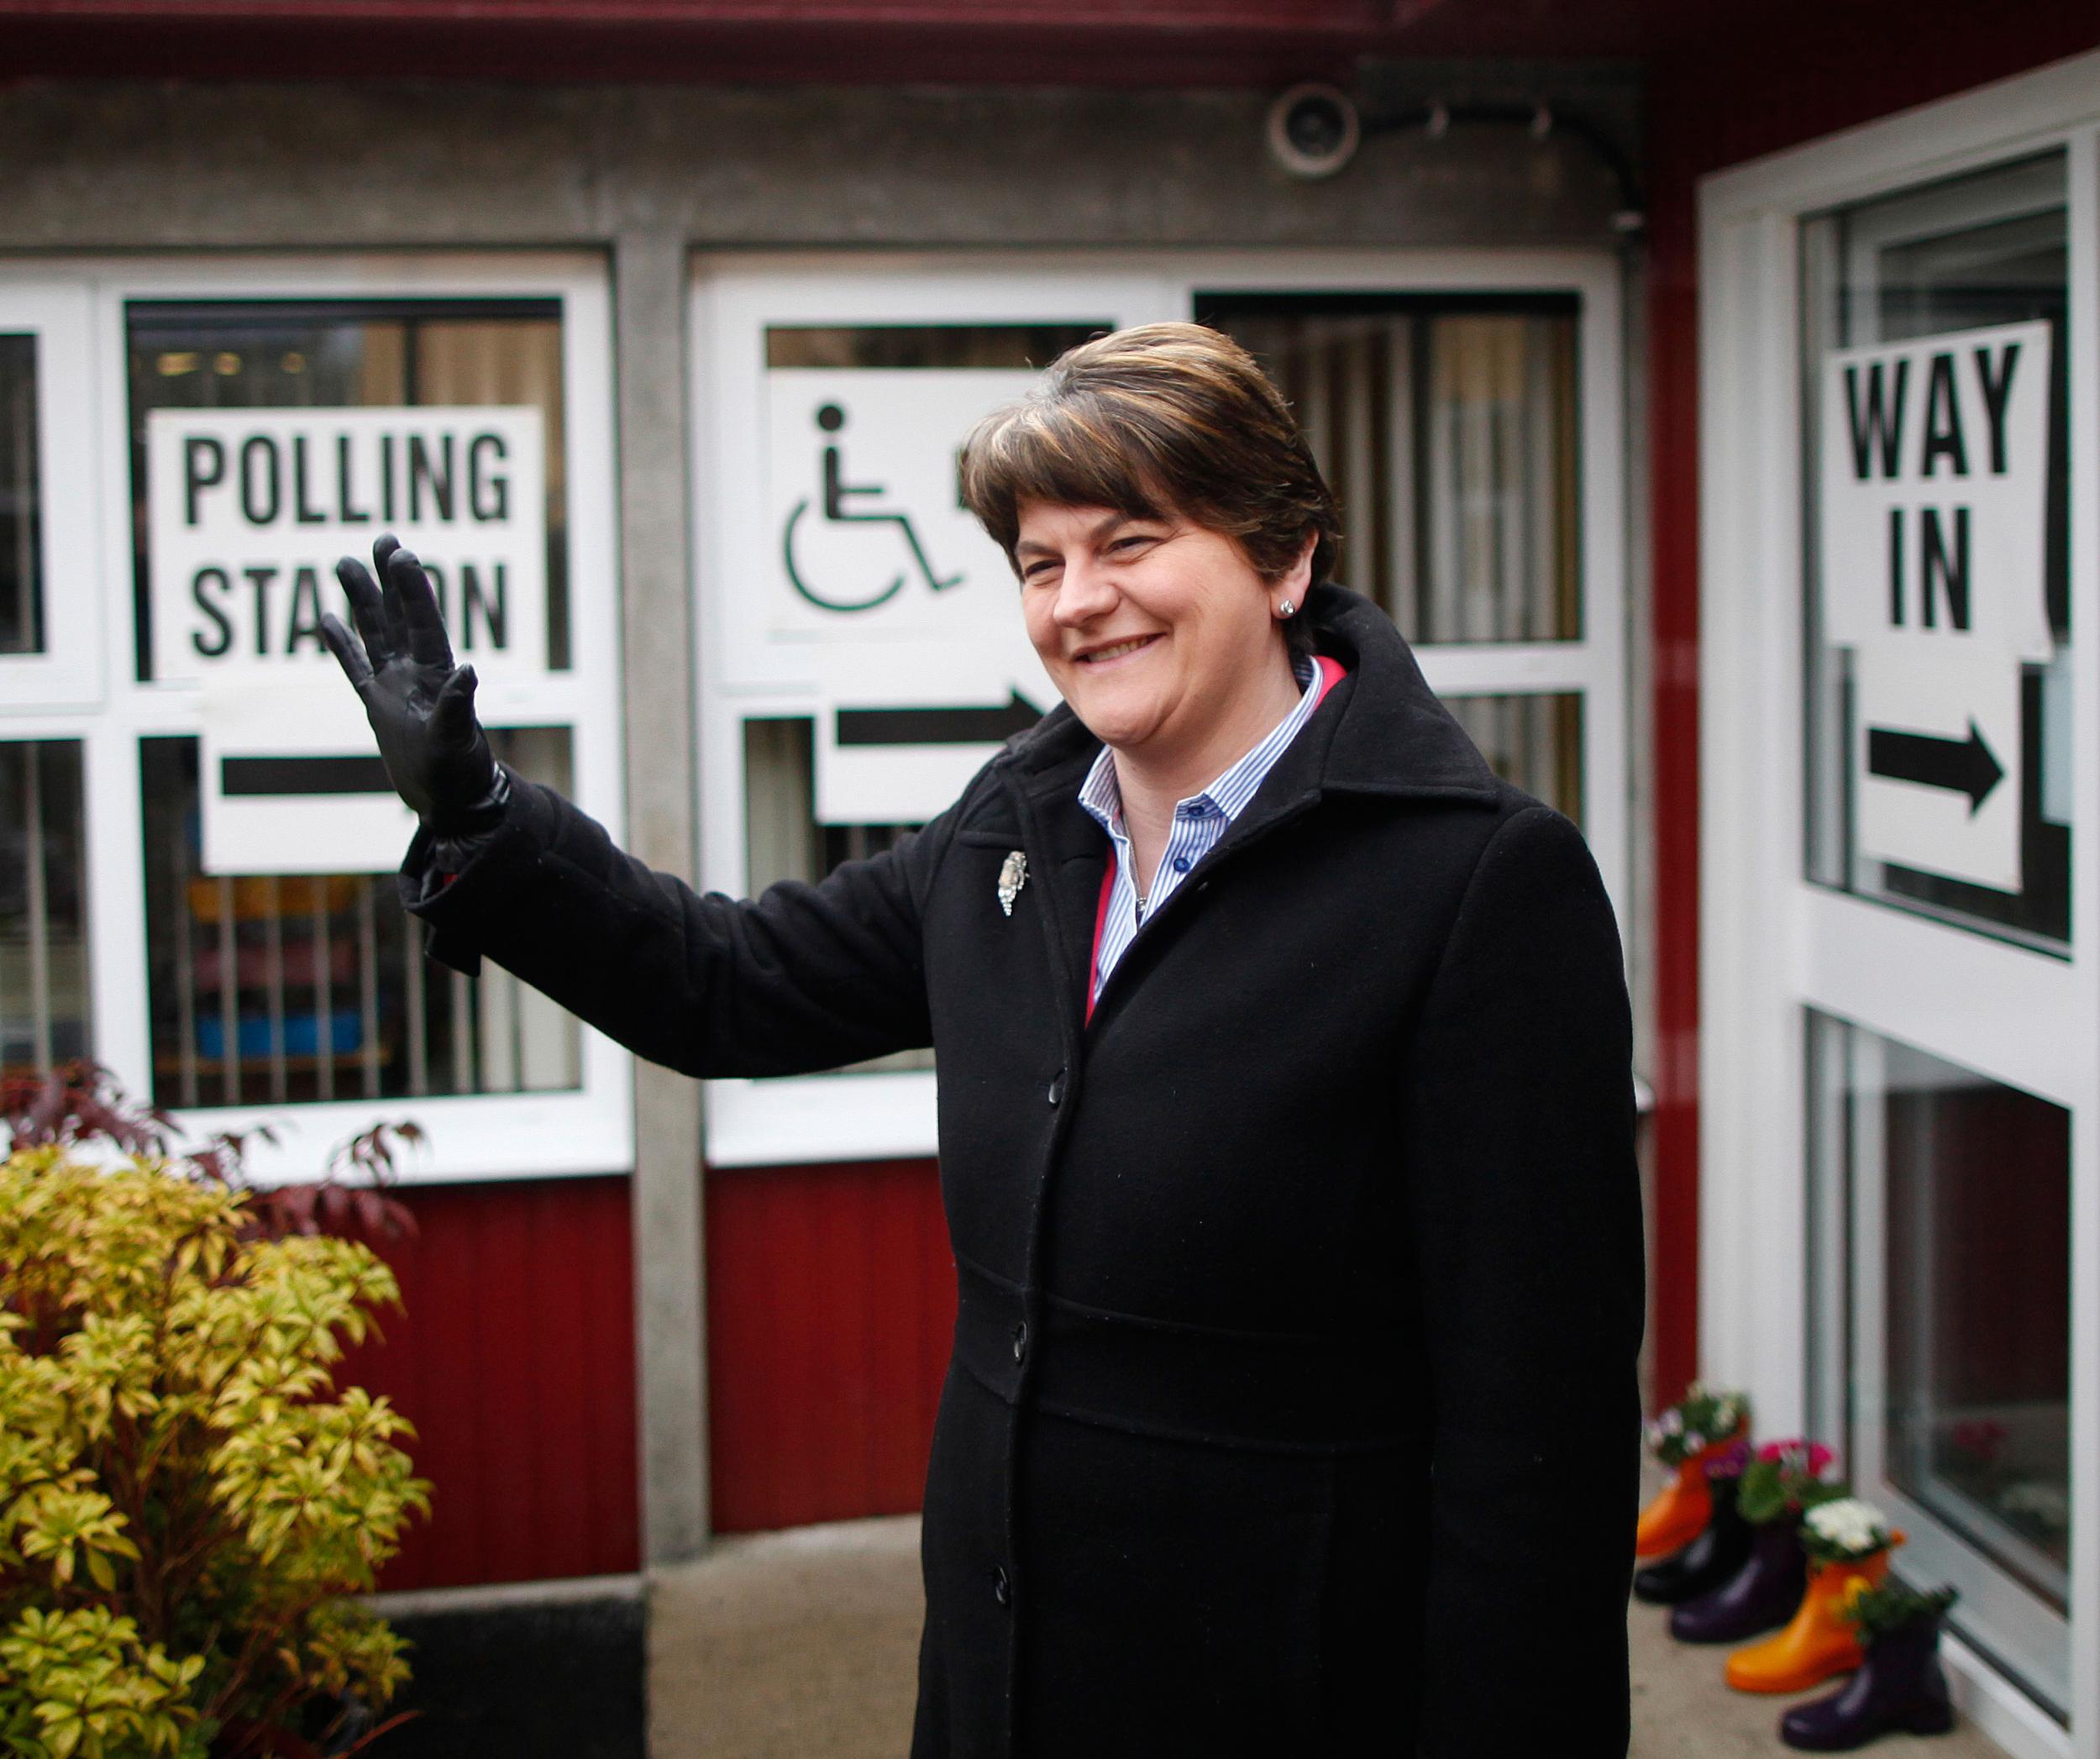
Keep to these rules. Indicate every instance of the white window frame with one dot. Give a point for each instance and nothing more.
(1771, 942)
(880, 1115)
(67, 673)
(587, 1130)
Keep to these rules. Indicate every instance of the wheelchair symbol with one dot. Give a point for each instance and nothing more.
(836, 490)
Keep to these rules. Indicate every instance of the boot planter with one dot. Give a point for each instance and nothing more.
(1899, 1687)
(1721, 1549)
(1759, 1595)
(1817, 1642)
(1698, 1430)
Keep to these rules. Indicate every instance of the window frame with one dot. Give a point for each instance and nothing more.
(59, 311)
(1774, 943)
(588, 1130)
(838, 1117)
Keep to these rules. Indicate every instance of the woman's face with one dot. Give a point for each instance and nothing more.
(1155, 631)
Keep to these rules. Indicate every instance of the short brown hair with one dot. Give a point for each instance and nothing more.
(1166, 418)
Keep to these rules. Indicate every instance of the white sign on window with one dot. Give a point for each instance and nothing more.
(1934, 490)
(910, 613)
(247, 511)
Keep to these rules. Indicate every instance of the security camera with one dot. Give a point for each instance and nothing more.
(1313, 130)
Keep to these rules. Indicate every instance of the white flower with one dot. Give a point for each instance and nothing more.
(1693, 1440)
(1849, 1525)
(1672, 1421)
(2049, 1503)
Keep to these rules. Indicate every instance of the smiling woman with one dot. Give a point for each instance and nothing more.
(1285, 1104)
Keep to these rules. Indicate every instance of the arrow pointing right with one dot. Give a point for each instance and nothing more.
(1965, 766)
(987, 725)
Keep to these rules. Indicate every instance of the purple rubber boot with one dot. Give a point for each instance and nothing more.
(1761, 1596)
(1707, 1562)
(1899, 1687)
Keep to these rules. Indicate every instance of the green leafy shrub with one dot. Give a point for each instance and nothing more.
(186, 1500)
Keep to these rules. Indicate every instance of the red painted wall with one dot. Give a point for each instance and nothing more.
(515, 1361)
(831, 1307)
(1719, 95)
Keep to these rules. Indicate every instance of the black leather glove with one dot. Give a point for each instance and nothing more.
(420, 704)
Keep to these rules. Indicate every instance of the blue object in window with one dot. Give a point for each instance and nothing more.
(303, 1033)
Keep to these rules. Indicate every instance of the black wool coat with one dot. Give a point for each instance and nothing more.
(1292, 1408)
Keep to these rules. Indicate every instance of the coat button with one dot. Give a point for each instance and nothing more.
(1002, 1589)
(1056, 1095)
(1020, 1341)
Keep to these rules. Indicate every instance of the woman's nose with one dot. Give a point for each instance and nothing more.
(1083, 594)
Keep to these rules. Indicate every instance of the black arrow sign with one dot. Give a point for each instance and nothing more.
(937, 726)
(1965, 765)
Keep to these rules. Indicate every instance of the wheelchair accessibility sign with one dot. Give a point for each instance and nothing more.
(870, 536)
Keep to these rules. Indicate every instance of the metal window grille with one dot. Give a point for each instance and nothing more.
(44, 999)
(279, 989)
(784, 839)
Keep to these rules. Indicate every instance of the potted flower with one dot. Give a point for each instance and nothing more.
(1847, 1542)
(1723, 1545)
(1699, 1427)
(1776, 1488)
(1899, 1685)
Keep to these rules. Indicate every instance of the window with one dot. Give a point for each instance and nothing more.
(280, 981)
(270, 989)
(1945, 1220)
(21, 555)
(301, 987)
(1448, 428)
(45, 1001)
(1465, 407)
(1448, 431)
(286, 355)
(1976, 253)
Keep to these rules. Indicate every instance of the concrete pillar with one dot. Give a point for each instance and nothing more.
(649, 305)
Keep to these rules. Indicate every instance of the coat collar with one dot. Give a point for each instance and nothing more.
(1381, 731)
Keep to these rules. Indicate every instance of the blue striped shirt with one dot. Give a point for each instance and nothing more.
(1199, 822)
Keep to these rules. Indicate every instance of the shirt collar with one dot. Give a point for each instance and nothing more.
(1102, 795)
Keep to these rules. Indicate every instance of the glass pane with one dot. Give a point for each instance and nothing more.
(924, 345)
(783, 839)
(1449, 436)
(1910, 735)
(1535, 741)
(351, 354)
(267, 989)
(21, 573)
(44, 1002)
(1960, 1189)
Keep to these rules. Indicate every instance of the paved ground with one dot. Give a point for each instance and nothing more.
(802, 1645)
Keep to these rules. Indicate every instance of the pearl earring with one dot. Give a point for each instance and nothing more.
(1286, 608)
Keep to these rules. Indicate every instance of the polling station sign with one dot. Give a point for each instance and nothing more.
(1932, 513)
(248, 510)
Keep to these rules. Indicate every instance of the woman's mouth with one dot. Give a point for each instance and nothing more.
(1117, 650)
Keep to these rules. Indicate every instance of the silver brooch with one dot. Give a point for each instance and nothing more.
(1013, 875)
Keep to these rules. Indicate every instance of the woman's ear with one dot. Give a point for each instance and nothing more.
(1296, 581)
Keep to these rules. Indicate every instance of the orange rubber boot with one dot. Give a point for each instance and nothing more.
(1677, 1514)
(1817, 1642)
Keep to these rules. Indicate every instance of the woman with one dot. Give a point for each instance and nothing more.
(1285, 1114)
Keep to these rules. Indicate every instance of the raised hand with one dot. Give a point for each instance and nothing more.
(420, 704)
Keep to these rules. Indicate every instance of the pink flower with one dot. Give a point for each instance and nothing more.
(1797, 1453)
